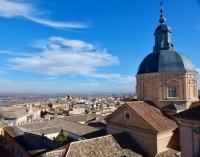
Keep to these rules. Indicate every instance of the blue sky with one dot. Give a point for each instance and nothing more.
(87, 45)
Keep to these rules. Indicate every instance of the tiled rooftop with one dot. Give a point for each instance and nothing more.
(11, 109)
(55, 122)
(33, 126)
(36, 144)
(105, 146)
(173, 106)
(33, 143)
(55, 126)
(83, 130)
(125, 141)
(46, 131)
(80, 118)
(191, 114)
(13, 131)
(60, 152)
(9, 113)
(154, 116)
(168, 153)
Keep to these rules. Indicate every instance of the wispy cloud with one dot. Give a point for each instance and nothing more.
(13, 9)
(118, 78)
(22, 86)
(72, 57)
(90, 84)
(198, 70)
(46, 87)
(51, 78)
(64, 56)
(2, 72)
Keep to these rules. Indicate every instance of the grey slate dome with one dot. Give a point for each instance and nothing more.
(163, 27)
(164, 58)
(166, 61)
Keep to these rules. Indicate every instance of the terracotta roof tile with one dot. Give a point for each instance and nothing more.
(45, 131)
(36, 144)
(32, 143)
(105, 146)
(168, 153)
(12, 112)
(55, 122)
(55, 126)
(83, 130)
(192, 114)
(60, 152)
(125, 140)
(152, 115)
(80, 118)
(35, 109)
(13, 131)
(11, 109)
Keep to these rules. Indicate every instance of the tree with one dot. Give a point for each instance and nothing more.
(63, 139)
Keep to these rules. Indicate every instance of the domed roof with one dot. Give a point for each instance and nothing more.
(163, 27)
(166, 61)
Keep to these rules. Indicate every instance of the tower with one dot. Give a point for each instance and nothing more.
(166, 76)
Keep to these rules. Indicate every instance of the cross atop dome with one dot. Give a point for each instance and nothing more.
(161, 3)
(162, 18)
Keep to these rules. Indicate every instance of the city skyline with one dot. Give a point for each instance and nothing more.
(87, 46)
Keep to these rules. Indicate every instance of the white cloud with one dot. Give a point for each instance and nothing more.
(118, 78)
(22, 86)
(72, 57)
(90, 84)
(51, 78)
(2, 72)
(64, 56)
(8, 85)
(122, 79)
(198, 70)
(12, 9)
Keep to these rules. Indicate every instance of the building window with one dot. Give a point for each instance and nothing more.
(172, 91)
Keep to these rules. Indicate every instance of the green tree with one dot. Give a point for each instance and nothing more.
(63, 139)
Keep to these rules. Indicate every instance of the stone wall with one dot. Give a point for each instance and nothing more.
(189, 139)
(153, 87)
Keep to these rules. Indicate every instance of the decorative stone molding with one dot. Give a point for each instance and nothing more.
(172, 81)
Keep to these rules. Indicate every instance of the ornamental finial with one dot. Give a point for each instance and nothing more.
(162, 18)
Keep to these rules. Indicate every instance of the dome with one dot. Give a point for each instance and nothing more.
(163, 27)
(166, 61)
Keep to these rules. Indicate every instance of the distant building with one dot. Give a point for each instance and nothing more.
(19, 115)
(69, 97)
(26, 144)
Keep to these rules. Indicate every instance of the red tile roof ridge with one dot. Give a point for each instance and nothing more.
(35, 109)
(105, 136)
(153, 115)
